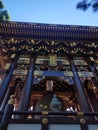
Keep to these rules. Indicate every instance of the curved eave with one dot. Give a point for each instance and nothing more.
(23, 30)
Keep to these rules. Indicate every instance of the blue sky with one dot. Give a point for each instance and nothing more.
(50, 11)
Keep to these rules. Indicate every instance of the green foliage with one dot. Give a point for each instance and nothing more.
(85, 4)
(3, 12)
(1, 5)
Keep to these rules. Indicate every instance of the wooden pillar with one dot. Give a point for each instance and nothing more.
(7, 113)
(26, 93)
(92, 66)
(80, 93)
(6, 81)
(93, 70)
(10, 91)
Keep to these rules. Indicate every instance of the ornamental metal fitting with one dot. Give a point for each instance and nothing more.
(82, 121)
(80, 113)
(12, 99)
(44, 120)
(45, 112)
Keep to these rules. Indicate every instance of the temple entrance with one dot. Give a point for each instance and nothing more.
(44, 103)
(43, 93)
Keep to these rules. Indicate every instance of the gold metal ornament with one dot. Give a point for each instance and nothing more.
(44, 120)
(12, 99)
(82, 121)
(80, 113)
(45, 112)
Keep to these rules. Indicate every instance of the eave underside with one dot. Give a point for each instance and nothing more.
(54, 32)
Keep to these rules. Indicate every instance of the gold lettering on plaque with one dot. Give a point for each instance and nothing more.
(53, 60)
